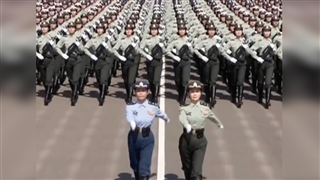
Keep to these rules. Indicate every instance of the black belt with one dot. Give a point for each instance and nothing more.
(199, 133)
(144, 131)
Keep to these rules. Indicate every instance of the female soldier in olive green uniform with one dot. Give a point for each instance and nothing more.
(154, 57)
(211, 46)
(238, 51)
(101, 55)
(265, 56)
(73, 48)
(182, 63)
(129, 58)
(192, 142)
(45, 58)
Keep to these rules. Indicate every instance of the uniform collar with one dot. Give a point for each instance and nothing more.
(196, 104)
(144, 104)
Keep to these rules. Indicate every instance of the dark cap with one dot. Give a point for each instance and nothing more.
(195, 85)
(210, 27)
(78, 21)
(53, 21)
(154, 26)
(84, 15)
(44, 24)
(182, 26)
(259, 24)
(130, 26)
(71, 24)
(141, 85)
(266, 28)
(238, 27)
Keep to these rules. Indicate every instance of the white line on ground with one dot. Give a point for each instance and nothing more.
(161, 132)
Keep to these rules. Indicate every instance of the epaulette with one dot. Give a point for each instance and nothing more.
(154, 104)
(131, 103)
(254, 33)
(184, 105)
(203, 103)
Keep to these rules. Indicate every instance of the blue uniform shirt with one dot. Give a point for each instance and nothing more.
(142, 114)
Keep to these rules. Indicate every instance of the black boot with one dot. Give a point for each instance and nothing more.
(129, 94)
(86, 79)
(62, 76)
(208, 94)
(157, 88)
(268, 94)
(260, 93)
(233, 91)
(197, 178)
(240, 95)
(254, 85)
(74, 95)
(102, 89)
(152, 89)
(38, 79)
(56, 85)
(213, 96)
(187, 175)
(48, 95)
(183, 95)
(179, 92)
(224, 76)
(136, 175)
(81, 85)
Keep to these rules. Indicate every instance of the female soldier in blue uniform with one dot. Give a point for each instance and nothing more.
(140, 116)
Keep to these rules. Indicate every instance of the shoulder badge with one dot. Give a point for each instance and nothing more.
(131, 103)
(184, 105)
(203, 103)
(154, 104)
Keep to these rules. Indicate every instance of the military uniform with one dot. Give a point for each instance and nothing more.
(104, 61)
(265, 55)
(140, 116)
(182, 63)
(128, 47)
(73, 48)
(45, 61)
(154, 61)
(211, 49)
(237, 63)
(192, 142)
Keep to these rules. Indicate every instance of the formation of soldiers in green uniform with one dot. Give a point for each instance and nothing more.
(240, 40)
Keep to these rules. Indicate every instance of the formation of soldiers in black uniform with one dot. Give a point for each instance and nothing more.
(240, 40)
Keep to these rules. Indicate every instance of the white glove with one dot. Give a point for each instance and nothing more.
(205, 59)
(136, 37)
(59, 36)
(77, 43)
(133, 125)
(188, 44)
(118, 27)
(273, 46)
(112, 30)
(160, 31)
(65, 30)
(229, 52)
(218, 45)
(84, 36)
(259, 59)
(65, 56)
(174, 51)
(245, 45)
(39, 56)
(51, 42)
(220, 126)
(188, 128)
(233, 60)
(122, 58)
(150, 58)
(161, 44)
(167, 120)
(93, 57)
(177, 58)
(138, 31)
(105, 45)
(133, 44)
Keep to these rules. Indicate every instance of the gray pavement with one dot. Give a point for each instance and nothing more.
(90, 142)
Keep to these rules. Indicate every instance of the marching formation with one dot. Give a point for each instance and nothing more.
(240, 40)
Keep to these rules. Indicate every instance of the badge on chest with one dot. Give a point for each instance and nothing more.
(150, 112)
(135, 113)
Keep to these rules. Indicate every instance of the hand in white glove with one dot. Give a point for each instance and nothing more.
(93, 57)
(167, 120)
(84, 36)
(259, 59)
(133, 44)
(59, 36)
(189, 44)
(150, 58)
(233, 60)
(218, 45)
(39, 56)
(161, 44)
(273, 46)
(122, 58)
(220, 126)
(188, 128)
(133, 125)
(65, 56)
(51, 42)
(205, 59)
(105, 45)
(177, 58)
(77, 43)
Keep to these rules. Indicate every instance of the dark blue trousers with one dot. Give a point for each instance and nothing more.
(140, 153)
